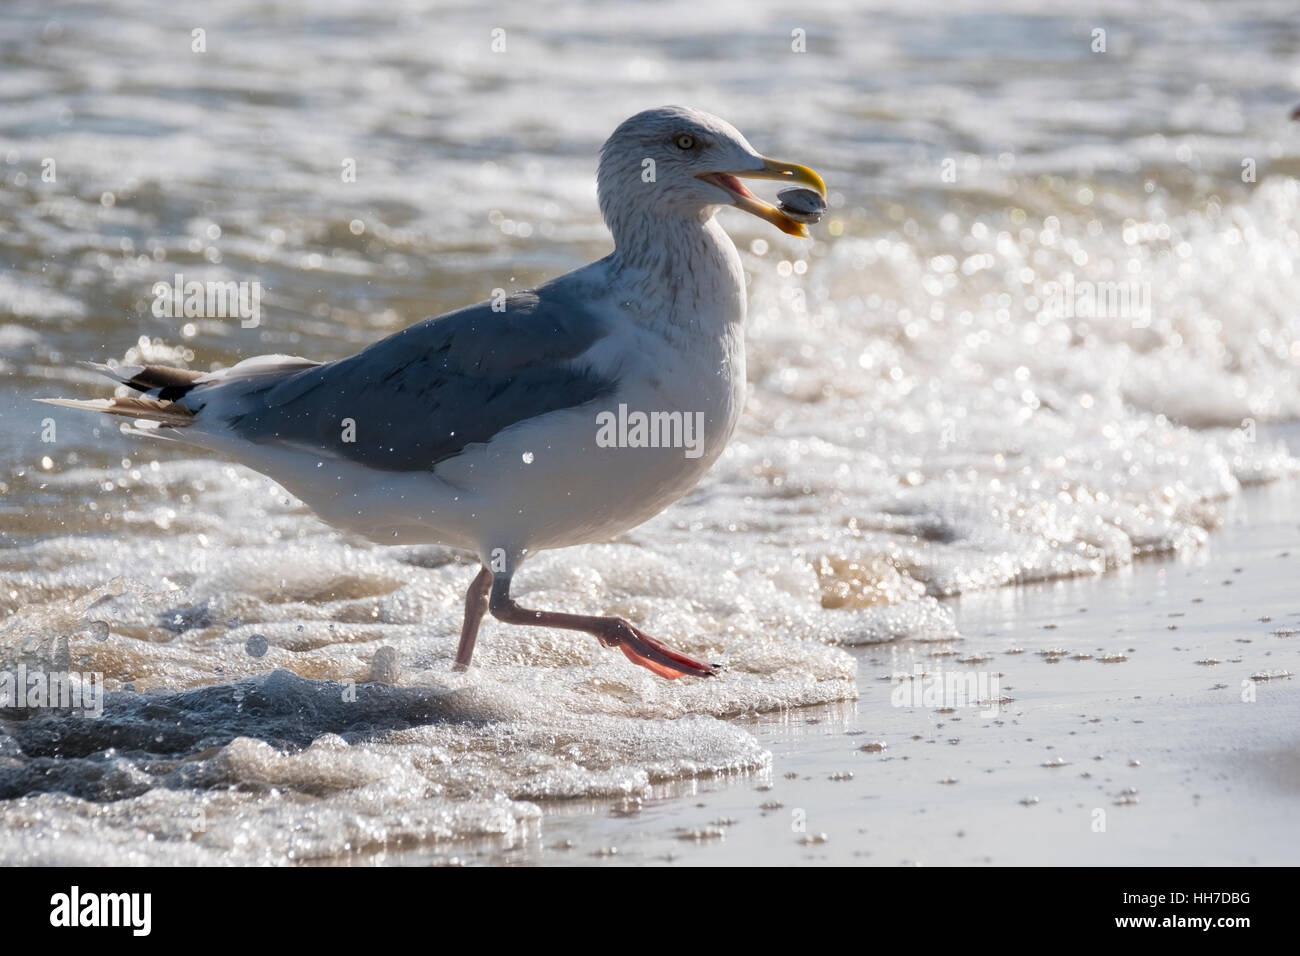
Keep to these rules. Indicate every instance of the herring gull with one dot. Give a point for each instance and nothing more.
(561, 415)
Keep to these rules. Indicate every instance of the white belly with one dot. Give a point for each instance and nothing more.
(588, 474)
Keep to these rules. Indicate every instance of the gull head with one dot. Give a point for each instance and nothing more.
(679, 162)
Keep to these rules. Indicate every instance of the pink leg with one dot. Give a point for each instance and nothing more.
(639, 647)
(476, 602)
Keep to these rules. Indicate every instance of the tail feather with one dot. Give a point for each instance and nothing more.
(164, 389)
(171, 382)
(145, 409)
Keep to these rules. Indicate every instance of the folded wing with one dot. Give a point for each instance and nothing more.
(422, 395)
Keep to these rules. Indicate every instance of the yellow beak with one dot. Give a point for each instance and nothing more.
(791, 173)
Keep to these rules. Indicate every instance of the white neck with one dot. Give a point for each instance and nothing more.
(679, 273)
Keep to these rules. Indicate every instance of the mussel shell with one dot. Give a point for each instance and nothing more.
(802, 205)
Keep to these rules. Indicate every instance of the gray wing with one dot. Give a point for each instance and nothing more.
(421, 395)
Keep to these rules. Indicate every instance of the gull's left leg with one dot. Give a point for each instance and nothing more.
(476, 602)
(638, 646)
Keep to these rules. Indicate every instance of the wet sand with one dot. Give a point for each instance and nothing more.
(1159, 758)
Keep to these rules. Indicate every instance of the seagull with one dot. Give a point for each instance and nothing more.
(552, 417)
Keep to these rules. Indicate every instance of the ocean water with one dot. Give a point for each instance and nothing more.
(1040, 335)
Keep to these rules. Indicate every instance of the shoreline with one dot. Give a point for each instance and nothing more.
(1132, 748)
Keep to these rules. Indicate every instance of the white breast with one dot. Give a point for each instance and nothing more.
(678, 356)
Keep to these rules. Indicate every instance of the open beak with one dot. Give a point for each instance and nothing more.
(791, 173)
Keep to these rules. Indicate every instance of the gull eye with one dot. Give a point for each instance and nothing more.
(685, 141)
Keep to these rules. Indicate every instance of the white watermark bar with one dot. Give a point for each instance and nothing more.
(955, 689)
(637, 429)
(78, 909)
(209, 300)
(1069, 299)
(23, 688)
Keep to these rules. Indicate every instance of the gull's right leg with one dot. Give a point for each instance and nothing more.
(639, 647)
